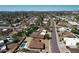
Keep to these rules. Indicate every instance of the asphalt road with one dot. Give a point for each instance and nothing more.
(54, 45)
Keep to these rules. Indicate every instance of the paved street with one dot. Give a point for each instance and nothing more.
(54, 45)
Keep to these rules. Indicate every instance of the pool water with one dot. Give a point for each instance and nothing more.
(24, 45)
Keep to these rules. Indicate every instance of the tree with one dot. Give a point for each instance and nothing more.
(15, 38)
(77, 45)
(76, 18)
(5, 42)
(46, 36)
(75, 30)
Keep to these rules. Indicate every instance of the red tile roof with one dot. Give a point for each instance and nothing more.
(36, 44)
(68, 34)
(12, 46)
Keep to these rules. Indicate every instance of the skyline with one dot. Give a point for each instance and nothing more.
(39, 7)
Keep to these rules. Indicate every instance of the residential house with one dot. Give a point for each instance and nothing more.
(64, 29)
(38, 34)
(36, 44)
(70, 40)
(72, 23)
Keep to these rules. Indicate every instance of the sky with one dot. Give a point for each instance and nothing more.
(39, 7)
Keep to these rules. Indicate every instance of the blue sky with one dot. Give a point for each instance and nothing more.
(39, 7)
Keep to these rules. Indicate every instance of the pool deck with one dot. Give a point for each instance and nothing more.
(28, 39)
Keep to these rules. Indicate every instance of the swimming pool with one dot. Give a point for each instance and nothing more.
(24, 45)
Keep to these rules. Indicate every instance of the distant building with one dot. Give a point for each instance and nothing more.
(62, 24)
(72, 23)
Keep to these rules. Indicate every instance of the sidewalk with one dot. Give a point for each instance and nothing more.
(50, 51)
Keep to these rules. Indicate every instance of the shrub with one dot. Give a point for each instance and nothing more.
(46, 36)
(74, 30)
(64, 42)
(16, 40)
(77, 45)
(67, 47)
(60, 40)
